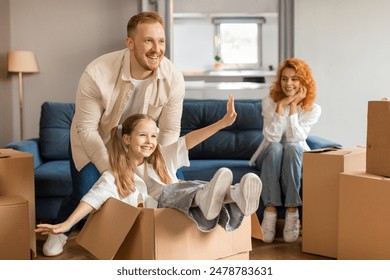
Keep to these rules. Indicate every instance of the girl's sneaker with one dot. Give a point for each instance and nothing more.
(54, 244)
(210, 197)
(246, 194)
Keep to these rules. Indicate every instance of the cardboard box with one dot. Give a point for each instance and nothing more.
(120, 231)
(364, 213)
(321, 169)
(17, 178)
(257, 231)
(378, 138)
(14, 229)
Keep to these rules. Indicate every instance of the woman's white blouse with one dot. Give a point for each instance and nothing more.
(286, 128)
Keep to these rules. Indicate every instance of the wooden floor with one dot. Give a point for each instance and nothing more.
(278, 250)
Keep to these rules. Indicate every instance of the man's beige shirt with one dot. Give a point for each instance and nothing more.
(105, 88)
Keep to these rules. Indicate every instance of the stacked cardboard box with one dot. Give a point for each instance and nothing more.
(364, 207)
(364, 213)
(17, 178)
(321, 170)
(14, 229)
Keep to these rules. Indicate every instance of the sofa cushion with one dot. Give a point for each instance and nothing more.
(238, 141)
(53, 179)
(54, 131)
(204, 170)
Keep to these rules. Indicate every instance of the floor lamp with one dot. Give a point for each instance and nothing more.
(21, 62)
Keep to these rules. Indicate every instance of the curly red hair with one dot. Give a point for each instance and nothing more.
(305, 77)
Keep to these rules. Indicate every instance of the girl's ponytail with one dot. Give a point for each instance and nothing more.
(120, 164)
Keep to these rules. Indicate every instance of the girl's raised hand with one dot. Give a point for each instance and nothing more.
(231, 114)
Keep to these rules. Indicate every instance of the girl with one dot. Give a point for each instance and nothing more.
(289, 114)
(143, 171)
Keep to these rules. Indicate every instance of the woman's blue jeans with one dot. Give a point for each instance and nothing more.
(280, 166)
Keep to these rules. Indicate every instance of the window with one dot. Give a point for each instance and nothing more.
(238, 42)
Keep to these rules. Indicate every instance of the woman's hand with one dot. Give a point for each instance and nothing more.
(54, 229)
(231, 114)
(293, 101)
(301, 94)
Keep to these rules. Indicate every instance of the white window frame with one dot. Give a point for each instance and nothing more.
(217, 42)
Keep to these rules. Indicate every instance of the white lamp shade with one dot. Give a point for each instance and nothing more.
(22, 61)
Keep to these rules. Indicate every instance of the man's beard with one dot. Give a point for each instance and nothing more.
(143, 64)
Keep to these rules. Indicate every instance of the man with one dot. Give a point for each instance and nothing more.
(138, 79)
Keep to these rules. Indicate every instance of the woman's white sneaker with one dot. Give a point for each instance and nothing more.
(54, 244)
(291, 226)
(268, 226)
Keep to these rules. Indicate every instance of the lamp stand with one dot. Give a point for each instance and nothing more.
(22, 62)
(21, 104)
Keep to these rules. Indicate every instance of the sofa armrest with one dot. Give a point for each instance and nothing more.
(316, 142)
(29, 146)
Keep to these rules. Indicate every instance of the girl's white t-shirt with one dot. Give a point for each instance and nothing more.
(145, 178)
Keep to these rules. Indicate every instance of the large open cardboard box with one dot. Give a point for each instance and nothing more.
(321, 170)
(364, 212)
(121, 231)
(378, 138)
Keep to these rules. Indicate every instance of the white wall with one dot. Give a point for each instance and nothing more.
(65, 36)
(193, 47)
(347, 44)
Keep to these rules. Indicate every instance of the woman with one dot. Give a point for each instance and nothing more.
(289, 113)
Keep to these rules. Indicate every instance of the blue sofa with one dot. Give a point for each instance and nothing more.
(231, 147)
(51, 158)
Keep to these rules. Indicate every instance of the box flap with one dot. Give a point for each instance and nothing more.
(322, 150)
(257, 232)
(378, 135)
(139, 243)
(338, 151)
(105, 230)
